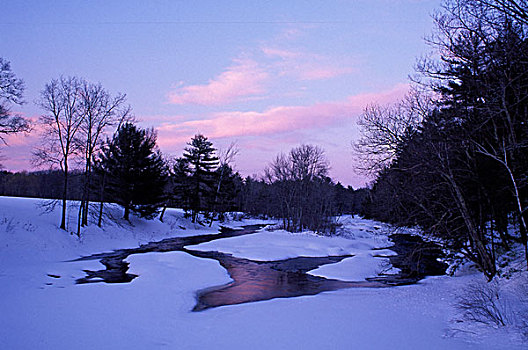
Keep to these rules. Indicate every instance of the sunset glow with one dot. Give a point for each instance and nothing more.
(267, 75)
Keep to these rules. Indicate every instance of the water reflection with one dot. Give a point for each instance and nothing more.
(257, 281)
(252, 280)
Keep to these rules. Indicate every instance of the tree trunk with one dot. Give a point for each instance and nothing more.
(522, 223)
(85, 212)
(64, 198)
(101, 200)
(100, 220)
(79, 219)
(216, 197)
(486, 262)
(86, 192)
(82, 209)
(162, 213)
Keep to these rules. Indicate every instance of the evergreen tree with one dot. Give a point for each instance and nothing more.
(228, 186)
(136, 173)
(202, 162)
(462, 175)
(181, 184)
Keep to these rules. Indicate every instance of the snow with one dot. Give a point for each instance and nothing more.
(357, 268)
(153, 311)
(279, 245)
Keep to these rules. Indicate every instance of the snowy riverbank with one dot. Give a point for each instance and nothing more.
(42, 307)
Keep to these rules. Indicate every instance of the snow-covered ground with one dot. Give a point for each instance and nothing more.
(280, 245)
(38, 311)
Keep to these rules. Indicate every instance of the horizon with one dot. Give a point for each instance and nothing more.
(268, 76)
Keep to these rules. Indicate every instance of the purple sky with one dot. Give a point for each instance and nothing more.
(269, 75)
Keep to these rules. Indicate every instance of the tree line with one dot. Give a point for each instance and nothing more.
(129, 170)
(88, 166)
(452, 157)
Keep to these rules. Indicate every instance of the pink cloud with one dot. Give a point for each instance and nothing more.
(16, 155)
(274, 120)
(18, 140)
(320, 73)
(244, 78)
(308, 66)
(280, 53)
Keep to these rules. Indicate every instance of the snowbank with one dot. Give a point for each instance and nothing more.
(357, 268)
(280, 244)
(42, 308)
(362, 237)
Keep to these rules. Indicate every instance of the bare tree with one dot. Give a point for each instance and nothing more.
(100, 111)
(308, 162)
(385, 128)
(61, 101)
(487, 303)
(11, 89)
(226, 158)
(299, 182)
(496, 9)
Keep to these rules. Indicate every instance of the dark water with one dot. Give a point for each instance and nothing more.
(252, 280)
(256, 280)
(415, 258)
(117, 267)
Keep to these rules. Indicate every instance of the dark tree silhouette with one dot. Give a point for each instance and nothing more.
(301, 190)
(101, 112)
(61, 101)
(462, 174)
(135, 171)
(201, 160)
(11, 90)
(228, 186)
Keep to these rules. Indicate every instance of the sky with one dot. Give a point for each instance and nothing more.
(267, 75)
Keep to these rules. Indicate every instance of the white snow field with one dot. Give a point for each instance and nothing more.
(38, 311)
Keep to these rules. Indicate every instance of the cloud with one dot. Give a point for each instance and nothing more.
(244, 78)
(266, 66)
(280, 53)
(23, 138)
(16, 155)
(275, 120)
(321, 73)
(307, 66)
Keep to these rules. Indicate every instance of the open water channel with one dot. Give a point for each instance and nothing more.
(252, 280)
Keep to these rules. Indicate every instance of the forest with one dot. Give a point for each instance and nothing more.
(451, 157)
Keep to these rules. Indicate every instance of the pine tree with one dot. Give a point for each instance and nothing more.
(181, 184)
(228, 186)
(136, 173)
(202, 162)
